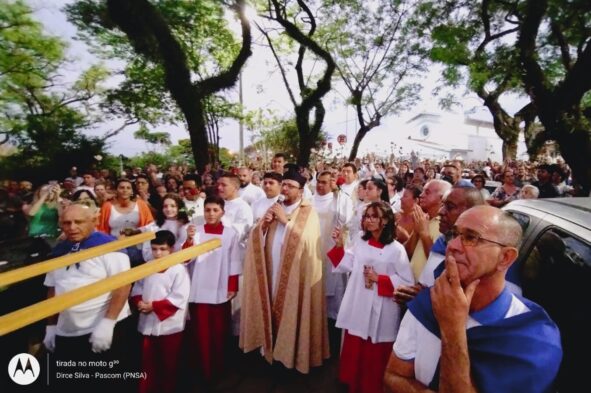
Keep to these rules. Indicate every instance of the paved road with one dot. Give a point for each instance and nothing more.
(251, 373)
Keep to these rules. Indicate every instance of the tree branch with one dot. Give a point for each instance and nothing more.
(533, 77)
(323, 87)
(117, 130)
(229, 77)
(281, 69)
(564, 49)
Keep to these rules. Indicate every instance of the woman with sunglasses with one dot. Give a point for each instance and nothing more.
(377, 263)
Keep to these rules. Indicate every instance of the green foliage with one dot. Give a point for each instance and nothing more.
(176, 155)
(201, 29)
(279, 135)
(54, 163)
(459, 42)
(42, 116)
(154, 138)
(378, 56)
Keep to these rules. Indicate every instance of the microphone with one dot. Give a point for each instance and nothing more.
(280, 199)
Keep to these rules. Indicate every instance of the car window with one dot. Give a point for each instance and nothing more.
(557, 275)
(522, 219)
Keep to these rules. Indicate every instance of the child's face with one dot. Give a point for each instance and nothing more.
(160, 250)
(213, 213)
(169, 208)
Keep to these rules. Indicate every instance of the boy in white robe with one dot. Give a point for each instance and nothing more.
(161, 299)
(214, 283)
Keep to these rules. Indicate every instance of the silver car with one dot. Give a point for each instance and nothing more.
(554, 266)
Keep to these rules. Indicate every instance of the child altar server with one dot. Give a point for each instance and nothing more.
(162, 302)
(214, 282)
(378, 264)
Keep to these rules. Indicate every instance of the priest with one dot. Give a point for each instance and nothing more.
(284, 309)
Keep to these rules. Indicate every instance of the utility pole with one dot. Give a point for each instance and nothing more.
(241, 124)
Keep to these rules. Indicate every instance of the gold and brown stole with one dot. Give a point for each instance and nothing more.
(293, 235)
(263, 283)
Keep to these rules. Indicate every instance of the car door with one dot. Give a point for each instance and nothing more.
(556, 273)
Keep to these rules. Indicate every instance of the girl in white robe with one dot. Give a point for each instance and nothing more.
(378, 264)
(172, 217)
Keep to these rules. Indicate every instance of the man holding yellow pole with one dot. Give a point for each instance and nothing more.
(84, 333)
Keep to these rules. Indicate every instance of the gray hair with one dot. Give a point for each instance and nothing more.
(510, 231)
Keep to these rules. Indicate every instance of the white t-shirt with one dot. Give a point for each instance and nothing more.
(81, 319)
(178, 229)
(196, 207)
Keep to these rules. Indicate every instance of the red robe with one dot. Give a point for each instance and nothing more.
(160, 354)
(210, 327)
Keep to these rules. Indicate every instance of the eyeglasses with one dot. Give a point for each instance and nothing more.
(290, 186)
(471, 239)
(371, 217)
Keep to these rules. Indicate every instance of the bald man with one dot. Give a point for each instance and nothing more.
(248, 191)
(85, 331)
(457, 201)
(426, 224)
(469, 333)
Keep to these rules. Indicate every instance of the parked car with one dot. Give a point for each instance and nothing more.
(555, 270)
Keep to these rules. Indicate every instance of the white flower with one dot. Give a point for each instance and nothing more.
(98, 157)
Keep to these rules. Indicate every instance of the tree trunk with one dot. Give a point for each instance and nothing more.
(196, 127)
(509, 150)
(305, 143)
(152, 37)
(575, 148)
(506, 126)
(356, 142)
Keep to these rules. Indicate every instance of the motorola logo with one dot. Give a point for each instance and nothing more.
(23, 369)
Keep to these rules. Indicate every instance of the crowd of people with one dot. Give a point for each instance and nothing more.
(402, 270)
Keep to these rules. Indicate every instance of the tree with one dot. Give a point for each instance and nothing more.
(555, 52)
(472, 39)
(41, 115)
(375, 57)
(282, 135)
(293, 23)
(153, 138)
(177, 43)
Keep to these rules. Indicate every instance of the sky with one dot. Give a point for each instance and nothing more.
(262, 88)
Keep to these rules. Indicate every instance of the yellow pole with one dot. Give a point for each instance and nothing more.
(36, 312)
(40, 268)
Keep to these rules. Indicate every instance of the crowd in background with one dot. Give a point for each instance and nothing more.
(29, 209)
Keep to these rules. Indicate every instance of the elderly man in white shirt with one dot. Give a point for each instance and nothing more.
(85, 331)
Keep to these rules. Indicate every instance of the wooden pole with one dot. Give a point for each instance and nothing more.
(38, 311)
(40, 268)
